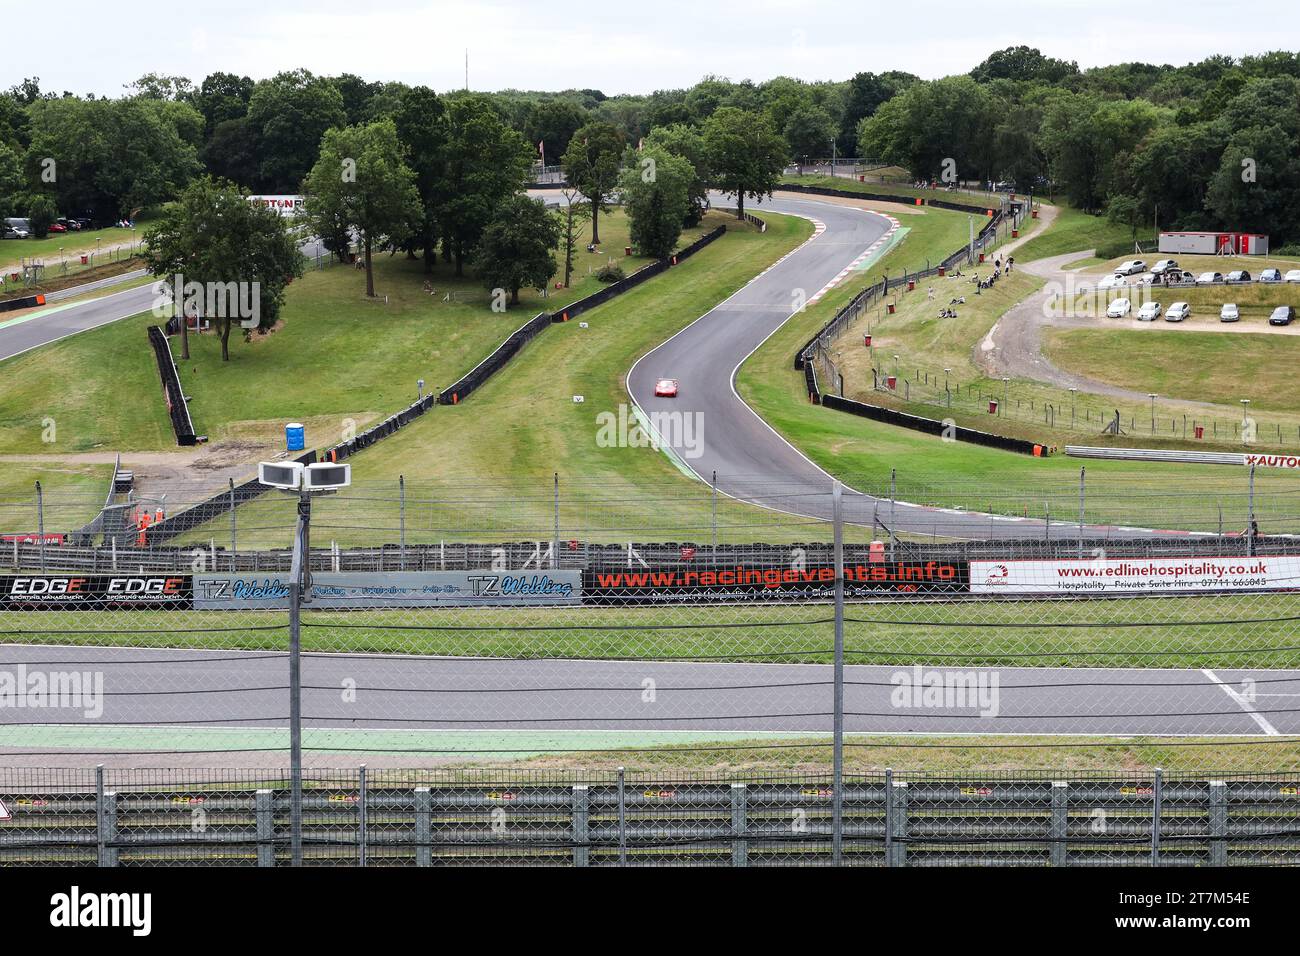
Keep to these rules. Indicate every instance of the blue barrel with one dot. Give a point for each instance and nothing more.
(294, 436)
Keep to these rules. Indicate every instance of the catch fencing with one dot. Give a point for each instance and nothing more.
(364, 817)
(804, 649)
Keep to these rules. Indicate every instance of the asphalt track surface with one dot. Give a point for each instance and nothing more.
(232, 689)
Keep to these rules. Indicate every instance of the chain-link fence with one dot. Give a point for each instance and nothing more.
(792, 642)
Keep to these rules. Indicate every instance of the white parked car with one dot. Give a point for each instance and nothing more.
(1292, 275)
(1132, 267)
(1229, 313)
(1149, 312)
(1112, 282)
(1209, 278)
(1118, 309)
(1163, 266)
(1270, 275)
(1178, 311)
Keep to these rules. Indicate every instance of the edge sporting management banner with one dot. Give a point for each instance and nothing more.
(89, 592)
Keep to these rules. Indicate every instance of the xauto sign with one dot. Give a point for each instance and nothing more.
(93, 591)
(1273, 461)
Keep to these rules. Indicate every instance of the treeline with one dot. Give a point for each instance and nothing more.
(1204, 145)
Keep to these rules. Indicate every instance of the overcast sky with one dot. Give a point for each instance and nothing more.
(624, 46)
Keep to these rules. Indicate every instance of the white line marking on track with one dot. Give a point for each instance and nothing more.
(1242, 703)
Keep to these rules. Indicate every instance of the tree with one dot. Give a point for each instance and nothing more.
(1125, 211)
(518, 246)
(656, 190)
(111, 157)
(935, 126)
(223, 97)
(809, 132)
(745, 153)
(289, 114)
(11, 181)
(421, 122)
(576, 212)
(231, 152)
(1023, 63)
(687, 142)
(592, 164)
(554, 122)
(214, 236)
(41, 213)
(865, 94)
(360, 179)
(487, 163)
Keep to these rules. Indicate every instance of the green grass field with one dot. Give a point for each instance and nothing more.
(1220, 367)
(1246, 631)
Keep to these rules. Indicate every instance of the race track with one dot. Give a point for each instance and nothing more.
(751, 461)
(245, 691)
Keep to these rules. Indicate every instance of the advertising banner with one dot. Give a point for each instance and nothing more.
(369, 590)
(88, 592)
(674, 584)
(1135, 575)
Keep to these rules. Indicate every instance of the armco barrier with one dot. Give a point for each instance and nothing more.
(930, 426)
(507, 350)
(177, 407)
(131, 817)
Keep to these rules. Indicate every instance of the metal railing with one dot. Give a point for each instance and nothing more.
(424, 818)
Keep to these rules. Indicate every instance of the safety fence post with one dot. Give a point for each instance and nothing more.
(264, 815)
(837, 743)
(1157, 799)
(1060, 820)
(622, 817)
(581, 814)
(105, 821)
(896, 821)
(739, 824)
(423, 826)
(363, 820)
(1218, 820)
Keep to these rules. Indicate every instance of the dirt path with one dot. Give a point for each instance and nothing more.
(1013, 347)
(184, 476)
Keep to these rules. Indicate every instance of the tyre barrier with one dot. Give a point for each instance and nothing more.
(178, 409)
(26, 302)
(930, 426)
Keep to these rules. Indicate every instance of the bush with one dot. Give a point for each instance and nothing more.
(1290, 249)
(1124, 247)
(41, 213)
(610, 273)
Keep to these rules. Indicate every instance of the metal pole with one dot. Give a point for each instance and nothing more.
(299, 575)
(555, 545)
(622, 817)
(1249, 519)
(837, 806)
(1082, 472)
(401, 520)
(363, 794)
(714, 483)
(232, 524)
(1157, 801)
(893, 488)
(40, 524)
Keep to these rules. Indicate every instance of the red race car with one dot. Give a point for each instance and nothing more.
(666, 388)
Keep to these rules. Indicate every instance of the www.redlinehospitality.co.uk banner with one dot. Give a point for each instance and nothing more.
(1135, 575)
